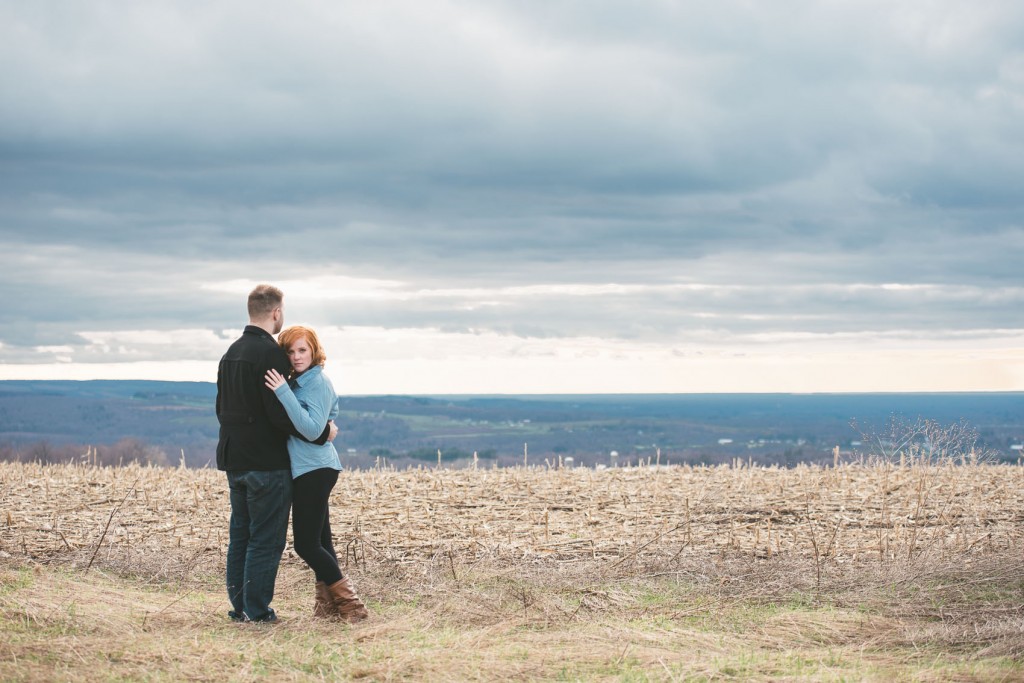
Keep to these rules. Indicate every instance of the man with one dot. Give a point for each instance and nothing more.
(253, 450)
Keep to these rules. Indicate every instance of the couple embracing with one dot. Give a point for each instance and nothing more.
(276, 409)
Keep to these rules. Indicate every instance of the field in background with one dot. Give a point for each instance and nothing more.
(864, 571)
(163, 423)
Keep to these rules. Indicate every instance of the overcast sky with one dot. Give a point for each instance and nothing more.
(520, 196)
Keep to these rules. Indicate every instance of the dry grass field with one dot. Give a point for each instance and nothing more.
(907, 570)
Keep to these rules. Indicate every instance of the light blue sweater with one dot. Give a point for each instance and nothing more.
(309, 406)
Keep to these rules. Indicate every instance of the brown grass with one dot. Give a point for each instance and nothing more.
(866, 572)
(631, 517)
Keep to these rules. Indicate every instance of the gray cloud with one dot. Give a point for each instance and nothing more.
(787, 151)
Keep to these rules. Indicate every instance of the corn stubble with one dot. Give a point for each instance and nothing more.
(901, 553)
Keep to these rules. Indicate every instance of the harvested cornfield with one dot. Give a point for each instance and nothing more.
(639, 518)
(871, 572)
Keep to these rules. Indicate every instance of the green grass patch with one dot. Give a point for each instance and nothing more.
(483, 621)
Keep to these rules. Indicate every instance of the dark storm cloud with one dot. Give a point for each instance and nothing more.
(790, 151)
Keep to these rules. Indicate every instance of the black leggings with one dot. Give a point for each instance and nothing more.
(311, 523)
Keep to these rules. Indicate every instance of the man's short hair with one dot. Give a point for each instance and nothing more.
(263, 300)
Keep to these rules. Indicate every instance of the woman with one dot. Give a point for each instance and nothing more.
(310, 401)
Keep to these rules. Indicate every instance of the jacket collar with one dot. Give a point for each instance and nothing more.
(259, 332)
(308, 376)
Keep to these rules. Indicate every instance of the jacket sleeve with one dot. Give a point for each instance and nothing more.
(308, 421)
(275, 409)
(332, 396)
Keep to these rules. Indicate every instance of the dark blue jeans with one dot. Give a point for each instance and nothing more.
(260, 502)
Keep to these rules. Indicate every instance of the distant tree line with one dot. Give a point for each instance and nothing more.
(450, 454)
(123, 452)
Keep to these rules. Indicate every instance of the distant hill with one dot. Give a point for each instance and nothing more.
(51, 419)
(48, 415)
(105, 388)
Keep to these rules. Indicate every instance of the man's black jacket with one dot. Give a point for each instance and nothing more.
(254, 426)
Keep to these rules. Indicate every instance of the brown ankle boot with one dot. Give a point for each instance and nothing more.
(323, 606)
(347, 604)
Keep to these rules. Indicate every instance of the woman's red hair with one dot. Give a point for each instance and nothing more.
(296, 332)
